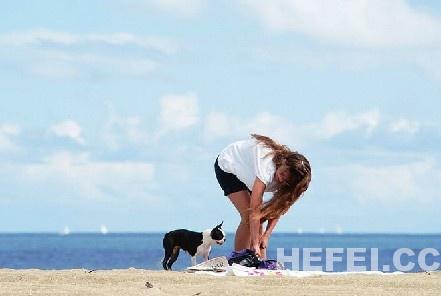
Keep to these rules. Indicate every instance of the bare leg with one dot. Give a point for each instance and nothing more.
(241, 200)
(262, 251)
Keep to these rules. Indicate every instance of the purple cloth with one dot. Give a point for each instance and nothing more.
(247, 257)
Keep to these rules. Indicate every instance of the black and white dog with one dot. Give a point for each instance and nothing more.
(195, 243)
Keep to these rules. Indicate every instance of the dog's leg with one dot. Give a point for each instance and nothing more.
(167, 255)
(173, 257)
(167, 243)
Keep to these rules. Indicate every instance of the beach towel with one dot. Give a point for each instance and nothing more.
(218, 264)
(219, 267)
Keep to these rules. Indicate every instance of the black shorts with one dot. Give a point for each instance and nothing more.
(228, 182)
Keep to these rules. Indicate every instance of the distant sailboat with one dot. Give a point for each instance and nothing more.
(65, 231)
(104, 229)
(339, 229)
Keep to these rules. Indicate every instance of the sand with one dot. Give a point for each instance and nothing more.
(146, 282)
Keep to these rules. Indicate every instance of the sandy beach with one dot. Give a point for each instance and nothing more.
(146, 282)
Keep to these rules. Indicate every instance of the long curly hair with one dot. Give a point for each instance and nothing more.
(288, 192)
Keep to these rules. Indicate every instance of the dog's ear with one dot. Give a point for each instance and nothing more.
(220, 225)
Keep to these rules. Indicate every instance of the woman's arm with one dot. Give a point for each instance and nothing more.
(255, 203)
(266, 235)
(270, 226)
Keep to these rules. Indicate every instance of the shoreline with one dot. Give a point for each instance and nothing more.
(156, 282)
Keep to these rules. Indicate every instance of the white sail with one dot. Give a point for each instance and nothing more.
(104, 229)
(65, 231)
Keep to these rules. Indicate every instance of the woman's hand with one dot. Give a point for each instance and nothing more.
(256, 249)
(263, 241)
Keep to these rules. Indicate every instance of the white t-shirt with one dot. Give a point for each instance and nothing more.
(247, 160)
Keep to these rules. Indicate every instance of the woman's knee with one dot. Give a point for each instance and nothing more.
(241, 201)
(245, 217)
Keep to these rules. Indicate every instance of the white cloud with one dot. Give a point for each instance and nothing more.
(363, 34)
(7, 133)
(222, 125)
(416, 181)
(54, 69)
(335, 123)
(120, 130)
(68, 129)
(298, 135)
(59, 64)
(58, 54)
(430, 62)
(322, 58)
(37, 37)
(10, 129)
(367, 34)
(218, 124)
(359, 23)
(404, 125)
(44, 37)
(182, 8)
(178, 111)
(76, 175)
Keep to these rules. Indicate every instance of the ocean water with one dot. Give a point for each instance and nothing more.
(144, 250)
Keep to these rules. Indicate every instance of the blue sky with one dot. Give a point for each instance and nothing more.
(112, 112)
